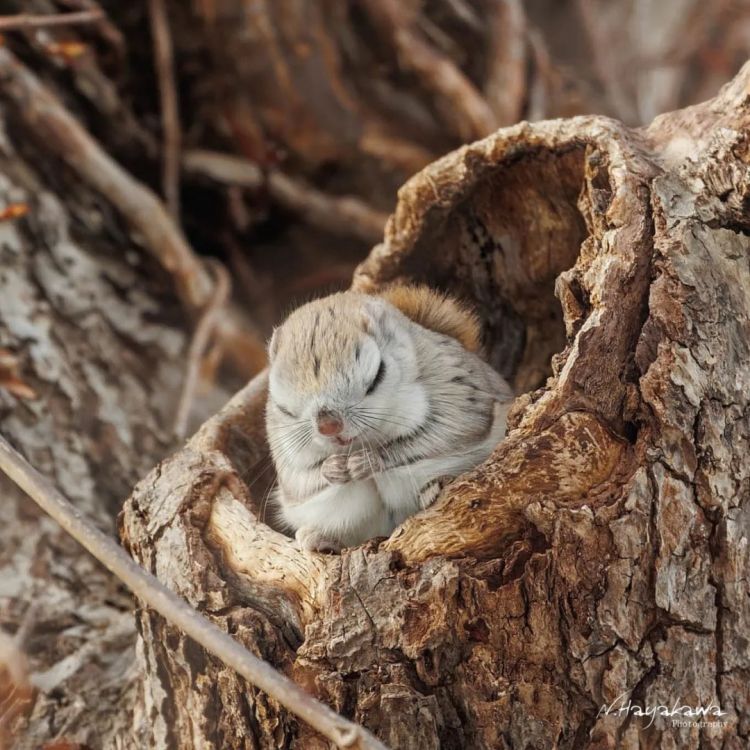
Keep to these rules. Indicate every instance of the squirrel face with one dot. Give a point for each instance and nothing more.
(343, 374)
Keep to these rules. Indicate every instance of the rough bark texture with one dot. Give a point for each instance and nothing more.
(346, 98)
(96, 336)
(602, 550)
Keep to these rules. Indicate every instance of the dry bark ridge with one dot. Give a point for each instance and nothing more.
(601, 551)
(98, 336)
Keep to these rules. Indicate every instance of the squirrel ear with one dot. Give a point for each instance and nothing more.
(273, 344)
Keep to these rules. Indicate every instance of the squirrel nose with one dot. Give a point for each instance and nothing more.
(329, 423)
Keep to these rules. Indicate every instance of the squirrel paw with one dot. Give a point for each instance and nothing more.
(312, 539)
(363, 464)
(335, 470)
(430, 491)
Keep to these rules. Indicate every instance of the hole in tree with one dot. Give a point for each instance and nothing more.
(502, 250)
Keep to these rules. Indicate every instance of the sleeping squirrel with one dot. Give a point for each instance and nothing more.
(374, 404)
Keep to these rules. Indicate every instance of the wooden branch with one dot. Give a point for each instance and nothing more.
(149, 589)
(108, 31)
(505, 85)
(473, 116)
(541, 82)
(31, 21)
(605, 65)
(344, 216)
(60, 132)
(170, 112)
(380, 142)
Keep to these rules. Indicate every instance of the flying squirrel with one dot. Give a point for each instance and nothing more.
(376, 402)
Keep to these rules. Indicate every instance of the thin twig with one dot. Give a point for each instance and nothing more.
(170, 110)
(201, 336)
(254, 287)
(541, 83)
(505, 78)
(26, 624)
(32, 21)
(175, 610)
(466, 13)
(340, 215)
(380, 141)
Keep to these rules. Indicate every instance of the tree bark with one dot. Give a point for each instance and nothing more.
(91, 341)
(602, 550)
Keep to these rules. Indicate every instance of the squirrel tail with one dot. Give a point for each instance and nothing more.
(436, 311)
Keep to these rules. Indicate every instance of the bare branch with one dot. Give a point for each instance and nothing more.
(465, 105)
(344, 216)
(170, 112)
(60, 132)
(150, 590)
(31, 21)
(507, 62)
(106, 29)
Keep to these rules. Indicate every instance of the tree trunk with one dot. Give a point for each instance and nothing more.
(91, 340)
(602, 550)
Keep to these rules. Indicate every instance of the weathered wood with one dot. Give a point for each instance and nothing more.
(600, 552)
(98, 334)
(153, 593)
